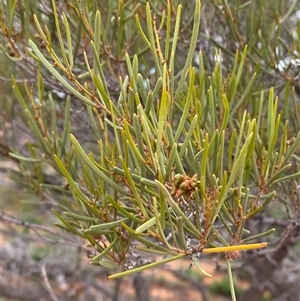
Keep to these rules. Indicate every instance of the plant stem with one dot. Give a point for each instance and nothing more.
(230, 279)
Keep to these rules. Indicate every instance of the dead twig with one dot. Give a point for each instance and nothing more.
(47, 283)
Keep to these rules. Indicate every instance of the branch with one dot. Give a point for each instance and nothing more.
(7, 218)
(47, 283)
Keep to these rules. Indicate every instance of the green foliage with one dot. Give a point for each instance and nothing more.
(222, 287)
(38, 253)
(175, 141)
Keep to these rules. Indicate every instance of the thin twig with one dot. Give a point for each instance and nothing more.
(47, 283)
(36, 228)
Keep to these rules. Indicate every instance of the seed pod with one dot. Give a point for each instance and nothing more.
(178, 179)
(233, 255)
(179, 193)
(184, 186)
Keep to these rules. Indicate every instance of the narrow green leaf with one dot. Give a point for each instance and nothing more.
(55, 73)
(70, 180)
(258, 236)
(191, 52)
(146, 267)
(198, 266)
(123, 210)
(80, 217)
(236, 169)
(230, 279)
(153, 47)
(268, 198)
(67, 125)
(39, 28)
(148, 243)
(173, 49)
(68, 226)
(108, 264)
(105, 252)
(69, 41)
(244, 95)
(139, 27)
(187, 105)
(81, 153)
(189, 135)
(26, 159)
(171, 160)
(133, 188)
(163, 114)
(181, 233)
(98, 229)
(149, 250)
(98, 70)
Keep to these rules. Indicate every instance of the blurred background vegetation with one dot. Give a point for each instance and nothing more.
(242, 50)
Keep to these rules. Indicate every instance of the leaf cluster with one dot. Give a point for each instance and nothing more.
(185, 146)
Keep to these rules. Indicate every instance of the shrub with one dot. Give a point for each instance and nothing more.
(170, 136)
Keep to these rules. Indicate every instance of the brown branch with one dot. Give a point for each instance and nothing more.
(7, 218)
(47, 283)
(266, 267)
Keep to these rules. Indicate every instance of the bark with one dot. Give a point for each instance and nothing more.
(269, 274)
(141, 286)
